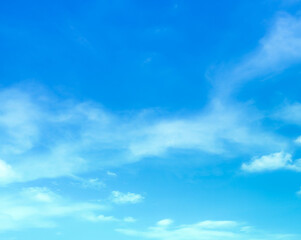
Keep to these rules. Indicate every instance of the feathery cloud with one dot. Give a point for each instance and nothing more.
(272, 162)
(123, 198)
(37, 207)
(165, 222)
(290, 113)
(7, 174)
(278, 49)
(298, 140)
(43, 137)
(206, 230)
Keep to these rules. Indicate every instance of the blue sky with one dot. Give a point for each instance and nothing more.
(167, 120)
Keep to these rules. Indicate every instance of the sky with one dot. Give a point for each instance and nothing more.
(164, 120)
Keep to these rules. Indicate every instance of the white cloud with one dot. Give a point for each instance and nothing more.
(112, 174)
(7, 174)
(206, 230)
(278, 49)
(217, 224)
(39, 194)
(165, 222)
(129, 219)
(37, 207)
(216, 130)
(272, 162)
(211, 130)
(298, 140)
(90, 183)
(100, 218)
(63, 138)
(290, 113)
(123, 198)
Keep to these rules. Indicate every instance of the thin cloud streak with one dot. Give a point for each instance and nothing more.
(278, 49)
(206, 230)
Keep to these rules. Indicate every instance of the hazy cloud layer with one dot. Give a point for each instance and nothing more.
(40, 207)
(206, 230)
(45, 138)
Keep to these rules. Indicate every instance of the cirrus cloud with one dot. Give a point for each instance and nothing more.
(206, 230)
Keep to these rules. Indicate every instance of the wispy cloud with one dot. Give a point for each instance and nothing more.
(129, 219)
(44, 137)
(290, 113)
(101, 218)
(90, 183)
(206, 230)
(165, 222)
(112, 174)
(40, 194)
(40, 207)
(278, 49)
(272, 162)
(6, 172)
(123, 198)
(298, 140)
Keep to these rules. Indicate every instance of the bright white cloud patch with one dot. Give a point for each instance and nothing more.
(123, 198)
(206, 230)
(272, 162)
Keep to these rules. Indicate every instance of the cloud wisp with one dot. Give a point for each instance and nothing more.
(206, 230)
(290, 113)
(43, 137)
(124, 198)
(101, 218)
(272, 162)
(278, 49)
(39, 207)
